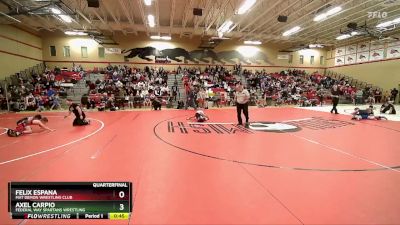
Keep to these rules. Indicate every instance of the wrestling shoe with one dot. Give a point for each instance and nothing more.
(13, 133)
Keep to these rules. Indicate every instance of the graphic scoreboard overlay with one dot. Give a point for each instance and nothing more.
(70, 200)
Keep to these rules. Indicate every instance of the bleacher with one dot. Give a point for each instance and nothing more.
(77, 86)
(357, 84)
(97, 99)
(14, 79)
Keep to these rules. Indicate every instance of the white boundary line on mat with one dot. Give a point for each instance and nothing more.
(4, 131)
(57, 147)
(344, 152)
(295, 120)
(207, 123)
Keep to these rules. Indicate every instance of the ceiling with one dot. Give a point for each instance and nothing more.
(175, 17)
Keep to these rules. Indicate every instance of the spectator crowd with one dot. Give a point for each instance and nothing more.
(37, 92)
(131, 87)
(125, 86)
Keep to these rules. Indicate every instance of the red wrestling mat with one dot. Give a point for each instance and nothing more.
(291, 166)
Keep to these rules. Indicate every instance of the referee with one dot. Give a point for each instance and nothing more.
(80, 117)
(242, 97)
(335, 98)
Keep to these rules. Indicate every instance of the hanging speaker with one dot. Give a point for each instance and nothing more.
(93, 3)
(282, 19)
(197, 11)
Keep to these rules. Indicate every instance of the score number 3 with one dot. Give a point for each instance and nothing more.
(121, 194)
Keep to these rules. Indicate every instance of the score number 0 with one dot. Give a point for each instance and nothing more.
(121, 194)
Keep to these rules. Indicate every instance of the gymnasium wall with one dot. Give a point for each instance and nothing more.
(22, 48)
(384, 73)
(261, 57)
(19, 50)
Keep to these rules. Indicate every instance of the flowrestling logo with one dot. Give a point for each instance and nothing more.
(377, 14)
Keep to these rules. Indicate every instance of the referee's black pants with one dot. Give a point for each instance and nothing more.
(245, 108)
(335, 101)
(80, 122)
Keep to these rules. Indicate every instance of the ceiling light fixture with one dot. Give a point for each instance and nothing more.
(246, 6)
(315, 46)
(291, 31)
(147, 2)
(150, 19)
(320, 17)
(343, 36)
(385, 24)
(225, 26)
(330, 12)
(66, 18)
(389, 23)
(252, 42)
(333, 11)
(55, 11)
(157, 37)
(78, 33)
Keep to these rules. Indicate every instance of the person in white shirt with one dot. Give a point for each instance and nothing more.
(225, 84)
(165, 90)
(138, 76)
(141, 85)
(201, 98)
(199, 116)
(242, 97)
(119, 84)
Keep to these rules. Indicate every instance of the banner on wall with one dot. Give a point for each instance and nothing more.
(148, 53)
(112, 50)
(363, 46)
(376, 54)
(393, 52)
(351, 49)
(162, 59)
(375, 46)
(340, 51)
(350, 59)
(339, 60)
(362, 57)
